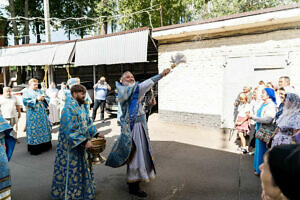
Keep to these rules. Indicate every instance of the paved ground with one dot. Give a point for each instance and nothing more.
(192, 163)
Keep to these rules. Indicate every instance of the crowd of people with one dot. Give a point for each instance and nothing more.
(73, 172)
(269, 119)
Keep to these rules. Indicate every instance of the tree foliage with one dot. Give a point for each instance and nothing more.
(172, 12)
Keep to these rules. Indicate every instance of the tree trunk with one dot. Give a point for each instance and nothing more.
(69, 34)
(26, 28)
(19, 73)
(12, 14)
(103, 28)
(37, 30)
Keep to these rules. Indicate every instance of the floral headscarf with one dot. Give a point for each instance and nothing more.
(290, 117)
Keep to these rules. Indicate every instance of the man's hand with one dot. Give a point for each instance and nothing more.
(40, 98)
(100, 135)
(88, 144)
(166, 72)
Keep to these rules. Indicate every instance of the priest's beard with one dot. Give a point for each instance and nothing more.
(128, 83)
(80, 100)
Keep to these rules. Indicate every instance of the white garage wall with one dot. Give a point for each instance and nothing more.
(197, 87)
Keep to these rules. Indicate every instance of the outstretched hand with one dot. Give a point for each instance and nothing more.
(166, 72)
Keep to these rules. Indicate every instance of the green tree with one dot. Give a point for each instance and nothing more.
(105, 9)
(74, 8)
(173, 12)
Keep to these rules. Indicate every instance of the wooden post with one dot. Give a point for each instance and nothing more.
(4, 76)
(94, 74)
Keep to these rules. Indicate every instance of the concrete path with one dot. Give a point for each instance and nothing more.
(191, 163)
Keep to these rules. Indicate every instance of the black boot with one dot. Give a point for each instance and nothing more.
(134, 188)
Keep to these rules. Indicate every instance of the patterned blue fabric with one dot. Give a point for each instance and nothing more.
(5, 133)
(122, 147)
(38, 126)
(9, 140)
(260, 146)
(73, 175)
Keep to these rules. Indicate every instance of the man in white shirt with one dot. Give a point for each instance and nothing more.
(10, 109)
(285, 82)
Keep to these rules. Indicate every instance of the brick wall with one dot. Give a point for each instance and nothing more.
(196, 89)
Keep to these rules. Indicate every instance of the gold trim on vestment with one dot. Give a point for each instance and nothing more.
(5, 189)
(4, 179)
(5, 122)
(7, 197)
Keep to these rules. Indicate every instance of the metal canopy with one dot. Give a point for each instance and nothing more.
(116, 49)
(134, 46)
(54, 54)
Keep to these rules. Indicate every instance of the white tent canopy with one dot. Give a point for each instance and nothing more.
(49, 54)
(125, 48)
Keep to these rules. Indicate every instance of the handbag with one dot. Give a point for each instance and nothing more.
(265, 132)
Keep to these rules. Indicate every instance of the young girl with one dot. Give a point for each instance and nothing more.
(242, 122)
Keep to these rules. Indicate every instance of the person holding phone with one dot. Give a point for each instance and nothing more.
(101, 88)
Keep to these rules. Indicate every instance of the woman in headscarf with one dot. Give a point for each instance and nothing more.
(265, 115)
(289, 122)
(280, 173)
(7, 144)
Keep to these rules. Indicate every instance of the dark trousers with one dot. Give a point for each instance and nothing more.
(252, 136)
(98, 103)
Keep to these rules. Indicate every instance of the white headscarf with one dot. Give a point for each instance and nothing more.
(290, 117)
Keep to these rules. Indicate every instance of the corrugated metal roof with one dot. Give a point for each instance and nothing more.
(55, 54)
(125, 48)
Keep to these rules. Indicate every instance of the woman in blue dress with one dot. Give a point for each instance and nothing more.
(265, 115)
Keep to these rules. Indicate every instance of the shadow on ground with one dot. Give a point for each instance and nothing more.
(184, 172)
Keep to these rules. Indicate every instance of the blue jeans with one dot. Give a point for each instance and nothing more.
(98, 103)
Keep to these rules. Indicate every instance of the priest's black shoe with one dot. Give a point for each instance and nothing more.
(134, 189)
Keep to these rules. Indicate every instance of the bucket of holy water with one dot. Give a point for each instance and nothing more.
(98, 147)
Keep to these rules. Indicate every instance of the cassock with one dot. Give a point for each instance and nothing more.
(73, 175)
(38, 126)
(133, 145)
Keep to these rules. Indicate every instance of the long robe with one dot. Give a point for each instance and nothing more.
(38, 127)
(133, 145)
(7, 139)
(53, 105)
(73, 175)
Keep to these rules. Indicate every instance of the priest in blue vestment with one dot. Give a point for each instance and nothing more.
(7, 144)
(133, 145)
(38, 126)
(73, 174)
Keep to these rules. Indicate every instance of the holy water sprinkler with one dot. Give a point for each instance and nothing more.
(177, 59)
